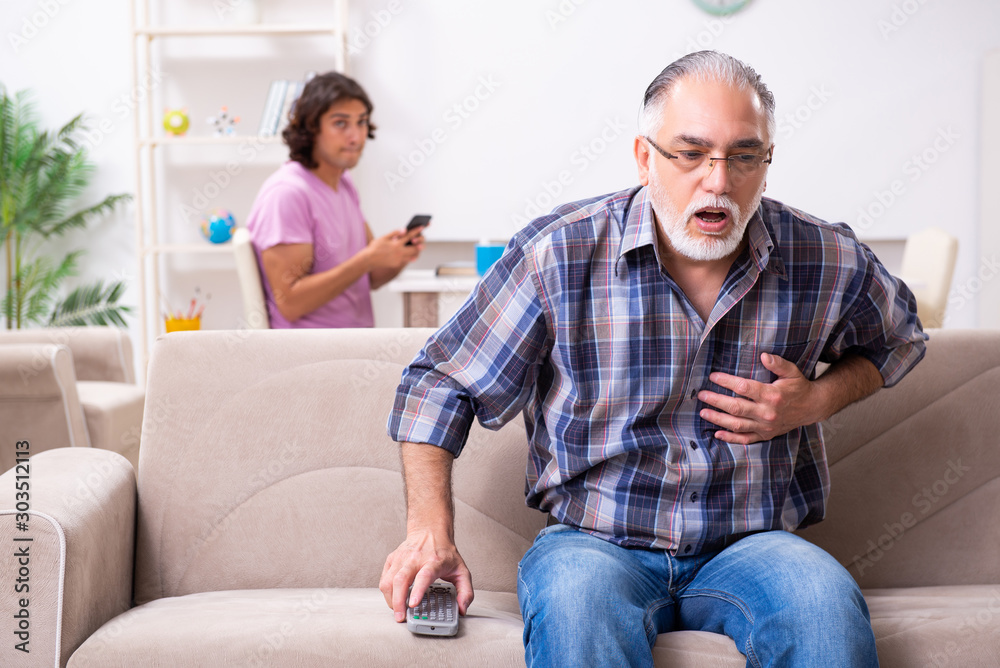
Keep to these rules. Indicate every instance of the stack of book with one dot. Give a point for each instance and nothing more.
(281, 98)
(456, 269)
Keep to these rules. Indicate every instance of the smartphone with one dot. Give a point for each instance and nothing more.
(421, 220)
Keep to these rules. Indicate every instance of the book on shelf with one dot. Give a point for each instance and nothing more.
(291, 96)
(281, 98)
(460, 268)
(272, 108)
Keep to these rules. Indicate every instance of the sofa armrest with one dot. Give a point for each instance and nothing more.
(39, 402)
(66, 550)
(99, 353)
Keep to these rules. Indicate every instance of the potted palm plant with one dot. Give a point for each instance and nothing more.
(42, 174)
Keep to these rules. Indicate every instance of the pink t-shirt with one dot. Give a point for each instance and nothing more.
(294, 206)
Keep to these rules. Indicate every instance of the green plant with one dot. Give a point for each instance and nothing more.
(41, 174)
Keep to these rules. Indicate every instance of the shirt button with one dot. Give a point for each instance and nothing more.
(694, 446)
(694, 393)
(694, 496)
(687, 548)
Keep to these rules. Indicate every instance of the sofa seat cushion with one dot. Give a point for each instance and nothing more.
(297, 627)
(933, 626)
(914, 627)
(937, 626)
(696, 649)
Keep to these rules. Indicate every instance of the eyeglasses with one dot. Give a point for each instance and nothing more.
(740, 164)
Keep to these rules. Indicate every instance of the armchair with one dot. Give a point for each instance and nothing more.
(54, 377)
(38, 399)
(929, 260)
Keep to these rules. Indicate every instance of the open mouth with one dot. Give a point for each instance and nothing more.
(712, 215)
(712, 220)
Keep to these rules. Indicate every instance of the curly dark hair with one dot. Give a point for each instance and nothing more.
(321, 93)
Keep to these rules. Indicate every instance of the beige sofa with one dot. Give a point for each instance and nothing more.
(269, 495)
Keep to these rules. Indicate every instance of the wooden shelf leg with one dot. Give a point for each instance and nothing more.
(420, 309)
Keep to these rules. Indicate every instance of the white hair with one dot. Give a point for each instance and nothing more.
(704, 66)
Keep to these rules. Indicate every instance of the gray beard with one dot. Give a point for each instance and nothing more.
(706, 248)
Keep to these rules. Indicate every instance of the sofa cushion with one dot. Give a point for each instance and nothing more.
(914, 627)
(304, 627)
(696, 649)
(915, 470)
(244, 476)
(929, 626)
(937, 626)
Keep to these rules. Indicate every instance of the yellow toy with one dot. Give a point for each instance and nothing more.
(176, 121)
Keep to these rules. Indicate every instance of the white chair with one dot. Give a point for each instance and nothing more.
(928, 264)
(254, 306)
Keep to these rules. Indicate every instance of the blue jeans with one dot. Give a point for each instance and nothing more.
(786, 602)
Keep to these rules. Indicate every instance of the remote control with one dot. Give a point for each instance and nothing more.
(437, 612)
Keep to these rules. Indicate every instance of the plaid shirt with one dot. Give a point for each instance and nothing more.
(579, 327)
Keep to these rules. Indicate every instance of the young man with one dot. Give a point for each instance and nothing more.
(662, 343)
(317, 253)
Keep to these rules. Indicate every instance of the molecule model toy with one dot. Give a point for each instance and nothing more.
(223, 125)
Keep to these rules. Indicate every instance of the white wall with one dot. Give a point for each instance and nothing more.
(982, 283)
(547, 93)
(74, 57)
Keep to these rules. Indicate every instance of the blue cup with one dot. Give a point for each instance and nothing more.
(486, 254)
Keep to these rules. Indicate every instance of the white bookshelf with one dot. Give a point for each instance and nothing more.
(150, 140)
(237, 31)
(206, 141)
(163, 249)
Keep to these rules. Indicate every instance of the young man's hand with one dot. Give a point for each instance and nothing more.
(391, 251)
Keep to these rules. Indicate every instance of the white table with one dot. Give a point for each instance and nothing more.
(422, 291)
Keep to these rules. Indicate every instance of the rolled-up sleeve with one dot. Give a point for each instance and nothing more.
(883, 326)
(481, 364)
